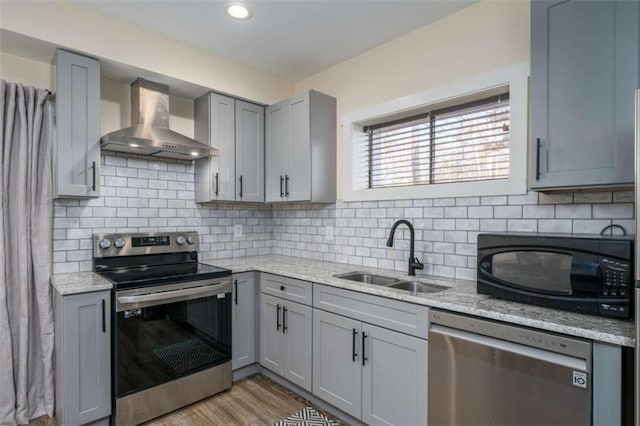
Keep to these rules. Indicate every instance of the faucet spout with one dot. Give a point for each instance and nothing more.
(413, 262)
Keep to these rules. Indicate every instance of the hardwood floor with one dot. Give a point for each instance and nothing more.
(256, 400)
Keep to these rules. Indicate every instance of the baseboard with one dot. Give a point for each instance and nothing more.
(247, 371)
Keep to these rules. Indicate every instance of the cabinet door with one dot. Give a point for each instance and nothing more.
(244, 320)
(394, 378)
(277, 149)
(249, 151)
(337, 364)
(222, 137)
(87, 357)
(297, 328)
(77, 153)
(271, 336)
(584, 69)
(298, 185)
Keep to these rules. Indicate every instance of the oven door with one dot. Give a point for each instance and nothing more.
(166, 332)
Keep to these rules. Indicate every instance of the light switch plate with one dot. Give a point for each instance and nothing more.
(329, 232)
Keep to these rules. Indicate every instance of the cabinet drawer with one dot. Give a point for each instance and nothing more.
(392, 314)
(287, 288)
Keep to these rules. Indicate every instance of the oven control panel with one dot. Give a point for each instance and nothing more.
(115, 245)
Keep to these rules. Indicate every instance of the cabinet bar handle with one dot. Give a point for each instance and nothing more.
(281, 192)
(286, 185)
(284, 319)
(364, 337)
(240, 186)
(278, 318)
(104, 320)
(217, 184)
(538, 159)
(353, 346)
(93, 167)
(235, 283)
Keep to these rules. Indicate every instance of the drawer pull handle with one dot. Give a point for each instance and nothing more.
(278, 318)
(364, 337)
(353, 345)
(282, 288)
(284, 319)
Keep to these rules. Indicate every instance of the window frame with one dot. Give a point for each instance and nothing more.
(513, 78)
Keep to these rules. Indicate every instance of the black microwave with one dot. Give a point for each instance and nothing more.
(580, 273)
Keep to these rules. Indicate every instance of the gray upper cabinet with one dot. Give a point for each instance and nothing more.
(249, 152)
(214, 125)
(244, 320)
(301, 149)
(394, 378)
(83, 357)
(76, 157)
(337, 365)
(584, 71)
(236, 129)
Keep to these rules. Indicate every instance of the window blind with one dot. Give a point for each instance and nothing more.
(464, 143)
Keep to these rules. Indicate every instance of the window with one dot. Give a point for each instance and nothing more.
(462, 143)
(467, 138)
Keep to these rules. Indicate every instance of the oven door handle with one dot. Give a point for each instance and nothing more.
(164, 297)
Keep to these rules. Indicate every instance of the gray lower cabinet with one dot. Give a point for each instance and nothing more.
(394, 378)
(285, 339)
(82, 357)
(76, 153)
(337, 363)
(376, 375)
(584, 71)
(244, 320)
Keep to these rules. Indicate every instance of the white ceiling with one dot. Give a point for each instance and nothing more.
(291, 39)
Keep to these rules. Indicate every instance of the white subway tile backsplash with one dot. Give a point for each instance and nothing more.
(592, 197)
(573, 211)
(148, 195)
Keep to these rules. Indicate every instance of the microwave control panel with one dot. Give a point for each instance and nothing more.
(616, 278)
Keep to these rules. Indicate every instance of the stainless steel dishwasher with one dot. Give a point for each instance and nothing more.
(487, 373)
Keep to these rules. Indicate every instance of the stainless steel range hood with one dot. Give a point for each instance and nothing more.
(149, 133)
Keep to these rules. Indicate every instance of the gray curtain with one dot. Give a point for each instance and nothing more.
(26, 314)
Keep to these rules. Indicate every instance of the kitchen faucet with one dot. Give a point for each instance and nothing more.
(413, 262)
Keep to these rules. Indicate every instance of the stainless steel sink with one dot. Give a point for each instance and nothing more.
(417, 287)
(367, 278)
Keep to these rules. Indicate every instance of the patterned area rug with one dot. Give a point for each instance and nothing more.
(308, 416)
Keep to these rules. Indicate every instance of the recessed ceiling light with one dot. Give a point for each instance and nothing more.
(194, 153)
(239, 11)
(133, 145)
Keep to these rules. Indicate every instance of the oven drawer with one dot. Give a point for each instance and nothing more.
(287, 288)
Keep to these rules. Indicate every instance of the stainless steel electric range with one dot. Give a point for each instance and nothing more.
(171, 322)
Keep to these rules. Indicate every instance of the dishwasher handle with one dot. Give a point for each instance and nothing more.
(515, 348)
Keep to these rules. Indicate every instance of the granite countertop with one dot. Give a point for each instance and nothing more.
(79, 282)
(461, 296)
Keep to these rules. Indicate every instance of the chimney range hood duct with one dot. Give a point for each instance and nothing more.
(149, 133)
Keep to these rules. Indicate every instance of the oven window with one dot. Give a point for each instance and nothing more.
(161, 343)
(534, 270)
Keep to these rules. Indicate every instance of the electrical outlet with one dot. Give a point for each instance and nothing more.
(237, 230)
(329, 232)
